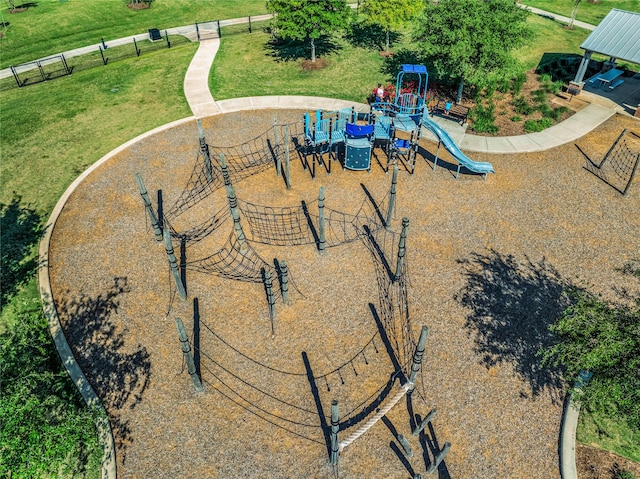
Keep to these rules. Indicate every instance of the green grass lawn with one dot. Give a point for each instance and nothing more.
(50, 133)
(609, 432)
(54, 26)
(243, 68)
(592, 13)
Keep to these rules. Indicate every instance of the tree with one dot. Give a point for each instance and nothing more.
(603, 339)
(390, 14)
(574, 11)
(308, 20)
(467, 40)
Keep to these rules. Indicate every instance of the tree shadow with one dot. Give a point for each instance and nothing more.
(20, 231)
(511, 307)
(118, 372)
(373, 37)
(292, 50)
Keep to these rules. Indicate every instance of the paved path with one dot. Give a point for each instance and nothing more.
(202, 104)
(559, 18)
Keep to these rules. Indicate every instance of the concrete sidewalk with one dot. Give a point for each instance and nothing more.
(558, 18)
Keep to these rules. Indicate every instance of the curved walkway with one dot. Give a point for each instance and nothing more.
(196, 89)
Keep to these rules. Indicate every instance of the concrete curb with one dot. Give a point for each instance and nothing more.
(50, 312)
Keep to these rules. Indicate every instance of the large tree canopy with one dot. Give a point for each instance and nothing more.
(308, 20)
(391, 14)
(603, 339)
(467, 40)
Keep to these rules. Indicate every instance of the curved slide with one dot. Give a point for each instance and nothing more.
(452, 148)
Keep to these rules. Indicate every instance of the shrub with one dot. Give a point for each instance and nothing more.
(539, 96)
(556, 113)
(623, 474)
(516, 118)
(518, 82)
(522, 106)
(532, 126)
(484, 118)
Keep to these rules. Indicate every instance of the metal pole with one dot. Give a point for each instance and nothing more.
(66, 66)
(147, 204)
(417, 356)
(166, 36)
(219, 33)
(335, 427)
(188, 356)
(424, 423)
(321, 230)
(439, 458)
(44, 78)
(15, 75)
(197, 31)
(204, 148)
(270, 299)
(284, 271)
(104, 45)
(249, 23)
(392, 198)
(173, 264)
(104, 60)
(287, 171)
(135, 44)
(401, 247)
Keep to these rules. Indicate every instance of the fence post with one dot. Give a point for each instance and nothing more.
(424, 423)
(135, 44)
(204, 148)
(44, 78)
(439, 458)
(15, 75)
(321, 230)
(173, 264)
(104, 60)
(392, 198)
(335, 427)
(104, 45)
(249, 23)
(197, 31)
(219, 33)
(401, 248)
(188, 356)
(287, 171)
(417, 357)
(284, 272)
(147, 204)
(64, 62)
(166, 36)
(270, 299)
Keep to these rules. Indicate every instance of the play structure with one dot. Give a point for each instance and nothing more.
(395, 127)
(619, 165)
(234, 232)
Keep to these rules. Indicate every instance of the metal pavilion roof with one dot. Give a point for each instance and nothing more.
(618, 36)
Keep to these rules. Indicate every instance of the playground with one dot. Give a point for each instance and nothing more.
(485, 263)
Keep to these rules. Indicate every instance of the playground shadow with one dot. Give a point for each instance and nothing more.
(292, 50)
(511, 306)
(20, 231)
(118, 372)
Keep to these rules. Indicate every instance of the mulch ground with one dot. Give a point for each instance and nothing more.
(486, 265)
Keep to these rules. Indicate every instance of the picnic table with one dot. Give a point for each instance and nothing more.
(609, 76)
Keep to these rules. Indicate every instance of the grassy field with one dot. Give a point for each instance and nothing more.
(54, 26)
(610, 433)
(589, 12)
(50, 133)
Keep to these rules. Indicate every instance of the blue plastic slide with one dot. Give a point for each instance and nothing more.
(452, 148)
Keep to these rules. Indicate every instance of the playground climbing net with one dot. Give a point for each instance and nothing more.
(620, 164)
